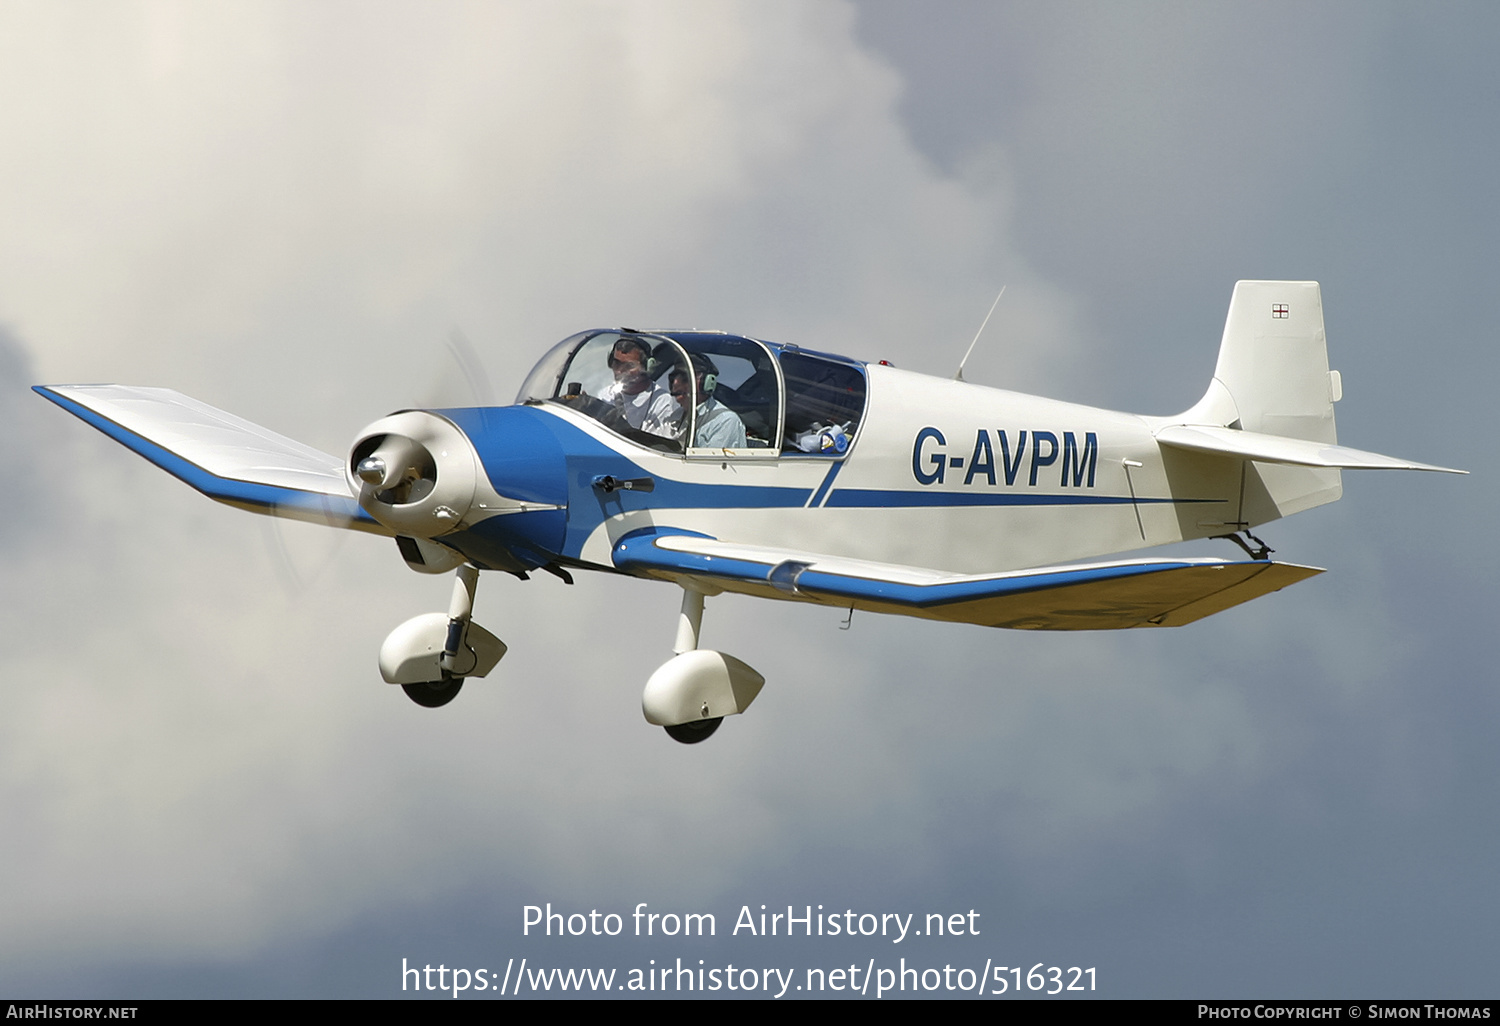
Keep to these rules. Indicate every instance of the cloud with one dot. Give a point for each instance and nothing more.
(283, 209)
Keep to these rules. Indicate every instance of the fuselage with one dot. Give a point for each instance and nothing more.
(934, 473)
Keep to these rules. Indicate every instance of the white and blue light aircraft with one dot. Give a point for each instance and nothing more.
(724, 463)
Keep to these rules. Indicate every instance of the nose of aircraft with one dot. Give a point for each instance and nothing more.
(489, 482)
(414, 472)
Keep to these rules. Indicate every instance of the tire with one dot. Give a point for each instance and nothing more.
(432, 694)
(692, 733)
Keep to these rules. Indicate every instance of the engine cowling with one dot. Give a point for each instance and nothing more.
(414, 472)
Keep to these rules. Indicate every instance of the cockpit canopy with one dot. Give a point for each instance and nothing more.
(705, 393)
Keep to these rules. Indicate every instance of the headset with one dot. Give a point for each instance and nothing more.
(708, 369)
(626, 343)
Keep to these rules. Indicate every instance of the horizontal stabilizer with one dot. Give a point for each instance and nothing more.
(223, 456)
(1097, 596)
(1263, 448)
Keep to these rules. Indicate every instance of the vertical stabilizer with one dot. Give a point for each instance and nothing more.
(1274, 360)
(1272, 377)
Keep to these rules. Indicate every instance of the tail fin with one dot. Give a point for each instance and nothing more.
(1274, 360)
(1270, 406)
(1272, 378)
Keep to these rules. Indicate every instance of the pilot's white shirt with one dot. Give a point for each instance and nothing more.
(719, 427)
(652, 410)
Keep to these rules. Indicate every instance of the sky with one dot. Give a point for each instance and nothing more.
(285, 210)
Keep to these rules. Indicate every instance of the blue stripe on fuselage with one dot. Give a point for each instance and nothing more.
(822, 492)
(532, 454)
(877, 498)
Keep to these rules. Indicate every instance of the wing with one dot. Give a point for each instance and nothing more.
(1095, 596)
(223, 456)
(1252, 445)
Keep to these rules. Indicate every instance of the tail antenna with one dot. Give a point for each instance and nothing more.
(960, 375)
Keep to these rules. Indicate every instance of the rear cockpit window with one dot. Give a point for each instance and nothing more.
(824, 403)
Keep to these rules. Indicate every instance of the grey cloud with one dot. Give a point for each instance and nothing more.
(213, 790)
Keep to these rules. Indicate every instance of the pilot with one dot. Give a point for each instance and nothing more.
(644, 404)
(719, 427)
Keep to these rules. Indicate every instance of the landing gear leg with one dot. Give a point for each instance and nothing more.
(457, 659)
(689, 621)
(431, 655)
(689, 628)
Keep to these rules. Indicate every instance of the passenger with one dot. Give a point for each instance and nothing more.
(719, 427)
(643, 403)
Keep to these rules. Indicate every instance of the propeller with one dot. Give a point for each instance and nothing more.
(461, 379)
(399, 469)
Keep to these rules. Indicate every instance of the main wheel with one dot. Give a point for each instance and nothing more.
(432, 694)
(692, 733)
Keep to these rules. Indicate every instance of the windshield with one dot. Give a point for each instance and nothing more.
(544, 378)
(621, 379)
